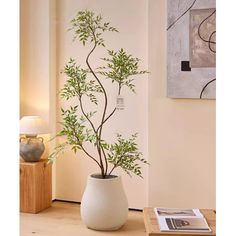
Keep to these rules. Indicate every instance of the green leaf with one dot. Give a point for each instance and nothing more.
(90, 27)
(120, 66)
(124, 153)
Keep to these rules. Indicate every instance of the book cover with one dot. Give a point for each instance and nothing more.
(188, 220)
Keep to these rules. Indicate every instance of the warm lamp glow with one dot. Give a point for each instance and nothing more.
(32, 125)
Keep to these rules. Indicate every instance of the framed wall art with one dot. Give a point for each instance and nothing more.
(191, 49)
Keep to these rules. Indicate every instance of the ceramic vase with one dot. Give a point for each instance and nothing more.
(104, 205)
(31, 148)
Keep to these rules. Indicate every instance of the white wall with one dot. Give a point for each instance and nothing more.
(181, 133)
(131, 21)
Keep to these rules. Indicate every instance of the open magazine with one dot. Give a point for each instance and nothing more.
(184, 220)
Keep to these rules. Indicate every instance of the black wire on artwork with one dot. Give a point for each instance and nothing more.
(209, 41)
(206, 86)
(181, 15)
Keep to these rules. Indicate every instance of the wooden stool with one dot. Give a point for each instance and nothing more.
(35, 186)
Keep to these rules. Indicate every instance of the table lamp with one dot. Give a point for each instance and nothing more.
(31, 146)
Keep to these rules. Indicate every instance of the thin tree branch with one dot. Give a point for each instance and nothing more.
(112, 169)
(105, 95)
(103, 89)
(104, 154)
(82, 109)
(119, 91)
(105, 158)
(106, 119)
(90, 156)
(115, 166)
(92, 125)
(80, 144)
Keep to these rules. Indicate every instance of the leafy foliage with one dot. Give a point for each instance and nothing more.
(87, 27)
(77, 124)
(77, 83)
(120, 66)
(57, 150)
(125, 154)
(75, 129)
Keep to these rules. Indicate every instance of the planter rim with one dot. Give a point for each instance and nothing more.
(93, 177)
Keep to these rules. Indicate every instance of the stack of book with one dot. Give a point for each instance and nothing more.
(183, 220)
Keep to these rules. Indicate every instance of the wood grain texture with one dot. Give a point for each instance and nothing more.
(152, 227)
(35, 186)
(64, 219)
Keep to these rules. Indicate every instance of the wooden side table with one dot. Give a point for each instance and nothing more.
(35, 186)
(152, 227)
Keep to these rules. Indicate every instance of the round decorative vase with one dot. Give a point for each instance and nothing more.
(31, 148)
(104, 205)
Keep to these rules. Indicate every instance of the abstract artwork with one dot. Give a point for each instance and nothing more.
(191, 49)
(202, 38)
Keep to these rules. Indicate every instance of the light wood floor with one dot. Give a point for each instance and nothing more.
(63, 219)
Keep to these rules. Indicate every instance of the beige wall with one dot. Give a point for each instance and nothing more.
(37, 64)
(181, 133)
(34, 48)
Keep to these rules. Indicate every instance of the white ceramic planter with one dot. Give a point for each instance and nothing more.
(104, 205)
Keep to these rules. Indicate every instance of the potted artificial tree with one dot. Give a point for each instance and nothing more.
(104, 205)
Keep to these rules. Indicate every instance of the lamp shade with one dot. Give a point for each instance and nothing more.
(33, 125)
